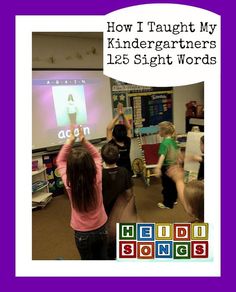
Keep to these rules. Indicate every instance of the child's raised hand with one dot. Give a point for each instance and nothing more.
(120, 108)
(72, 134)
(81, 134)
(71, 139)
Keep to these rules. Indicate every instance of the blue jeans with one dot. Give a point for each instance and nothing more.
(92, 245)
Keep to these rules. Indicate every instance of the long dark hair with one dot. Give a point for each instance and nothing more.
(81, 177)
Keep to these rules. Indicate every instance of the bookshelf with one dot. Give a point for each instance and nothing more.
(40, 189)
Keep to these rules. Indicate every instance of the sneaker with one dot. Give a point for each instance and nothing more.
(162, 206)
(175, 203)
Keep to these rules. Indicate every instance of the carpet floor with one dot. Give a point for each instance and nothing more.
(52, 237)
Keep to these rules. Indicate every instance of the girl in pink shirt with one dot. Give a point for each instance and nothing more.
(81, 171)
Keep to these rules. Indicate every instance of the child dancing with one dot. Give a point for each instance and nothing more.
(81, 171)
(120, 136)
(168, 156)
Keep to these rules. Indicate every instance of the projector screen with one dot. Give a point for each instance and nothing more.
(61, 97)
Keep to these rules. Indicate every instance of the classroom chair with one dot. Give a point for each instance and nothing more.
(149, 145)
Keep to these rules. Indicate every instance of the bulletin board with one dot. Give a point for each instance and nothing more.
(120, 91)
(119, 97)
(150, 105)
(151, 108)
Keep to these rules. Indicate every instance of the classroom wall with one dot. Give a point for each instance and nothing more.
(56, 51)
(60, 51)
(76, 52)
(181, 96)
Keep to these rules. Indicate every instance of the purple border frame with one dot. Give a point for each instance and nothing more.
(8, 281)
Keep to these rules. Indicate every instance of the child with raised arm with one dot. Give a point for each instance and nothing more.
(120, 136)
(168, 156)
(81, 171)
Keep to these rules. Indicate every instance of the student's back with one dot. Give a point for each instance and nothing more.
(114, 182)
(124, 152)
(81, 171)
(95, 217)
(119, 135)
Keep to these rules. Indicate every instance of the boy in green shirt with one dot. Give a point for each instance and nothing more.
(168, 155)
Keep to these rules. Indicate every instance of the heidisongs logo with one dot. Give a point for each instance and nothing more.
(162, 240)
